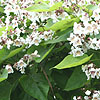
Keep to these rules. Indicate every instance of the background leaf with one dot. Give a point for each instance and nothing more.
(3, 75)
(77, 80)
(36, 86)
(71, 61)
(5, 90)
(5, 53)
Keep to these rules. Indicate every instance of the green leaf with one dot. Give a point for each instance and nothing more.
(1, 9)
(71, 61)
(5, 90)
(14, 52)
(96, 58)
(4, 75)
(92, 7)
(77, 80)
(42, 51)
(63, 37)
(64, 24)
(56, 6)
(36, 86)
(49, 24)
(44, 7)
(63, 77)
(5, 53)
(38, 7)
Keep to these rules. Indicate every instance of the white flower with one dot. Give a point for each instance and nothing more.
(35, 54)
(77, 52)
(93, 43)
(85, 18)
(96, 27)
(13, 2)
(86, 98)
(96, 96)
(9, 42)
(8, 9)
(77, 28)
(36, 41)
(7, 21)
(9, 68)
(96, 15)
(17, 32)
(22, 70)
(92, 72)
(14, 23)
(82, 2)
(98, 73)
(1, 47)
(72, 38)
(74, 98)
(87, 74)
(73, 1)
(84, 67)
(33, 26)
(90, 65)
(88, 29)
(21, 64)
(77, 42)
(17, 42)
(88, 92)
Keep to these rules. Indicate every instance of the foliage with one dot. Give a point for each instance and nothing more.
(49, 49)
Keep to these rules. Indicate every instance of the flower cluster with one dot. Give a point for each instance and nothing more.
(22, 63)
(95, 95)
(91, 71)
(22, 27)
(85, 34)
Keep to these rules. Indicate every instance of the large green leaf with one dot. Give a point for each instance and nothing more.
(38, 7)
(77, 80)
(43, 7)
(3, 75)
(42, 51)
(36, 86)
(71, 61)
(5, 90)
(64, 24)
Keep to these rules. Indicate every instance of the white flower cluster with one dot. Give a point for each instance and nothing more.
(91, 71)
(79, 2)
(22, 63)
(95, 95)
(18, 18)
(85, 33)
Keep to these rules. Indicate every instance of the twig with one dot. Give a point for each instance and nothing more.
(49, 83)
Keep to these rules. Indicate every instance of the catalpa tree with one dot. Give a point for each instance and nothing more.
(49, 49)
